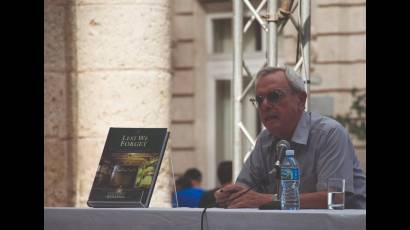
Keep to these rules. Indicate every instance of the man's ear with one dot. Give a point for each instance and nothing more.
(302, 99)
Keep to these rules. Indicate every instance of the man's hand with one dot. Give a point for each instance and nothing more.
(231, 196)
(223, 194)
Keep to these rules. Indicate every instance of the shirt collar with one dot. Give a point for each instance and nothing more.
(301, 133)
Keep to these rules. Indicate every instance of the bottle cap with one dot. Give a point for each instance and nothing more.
(290, 152)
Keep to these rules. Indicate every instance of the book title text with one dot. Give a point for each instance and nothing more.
(133, 141)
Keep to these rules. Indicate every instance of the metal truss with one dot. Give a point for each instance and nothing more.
(274, 20)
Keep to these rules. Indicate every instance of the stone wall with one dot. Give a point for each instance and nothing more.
(59, 180)
(338, 53)
(107, 64)
(184, 94)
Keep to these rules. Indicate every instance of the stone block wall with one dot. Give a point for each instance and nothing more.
(338, 53)
(107, 64)
(184, 151)
(59, 183)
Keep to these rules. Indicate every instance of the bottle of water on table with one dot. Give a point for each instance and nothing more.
(289, 183)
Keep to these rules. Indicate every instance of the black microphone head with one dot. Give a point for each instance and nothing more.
(281, 147)
(282, 143)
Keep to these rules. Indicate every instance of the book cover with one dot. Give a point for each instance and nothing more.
(128, 167)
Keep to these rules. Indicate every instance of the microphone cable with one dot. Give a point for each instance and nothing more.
(216, 204)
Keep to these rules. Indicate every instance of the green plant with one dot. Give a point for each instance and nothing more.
(355, 119)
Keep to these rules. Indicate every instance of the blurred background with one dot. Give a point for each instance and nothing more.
(169, 63)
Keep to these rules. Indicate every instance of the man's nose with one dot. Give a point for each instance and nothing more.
(265, 104)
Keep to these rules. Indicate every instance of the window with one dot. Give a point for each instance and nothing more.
(219, 72)
(222, 37)
(223, 120)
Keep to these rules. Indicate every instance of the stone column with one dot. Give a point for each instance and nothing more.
(119, 55)
(59, 179)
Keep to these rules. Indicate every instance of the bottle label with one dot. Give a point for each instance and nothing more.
(287, 173)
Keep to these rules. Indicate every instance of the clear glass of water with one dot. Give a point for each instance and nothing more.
(336, 193)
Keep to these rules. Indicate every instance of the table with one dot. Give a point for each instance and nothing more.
(190, 218)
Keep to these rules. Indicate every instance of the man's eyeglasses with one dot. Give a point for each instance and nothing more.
(272, 97)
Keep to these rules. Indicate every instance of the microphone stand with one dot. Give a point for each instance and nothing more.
(275, 204)
(281, 146)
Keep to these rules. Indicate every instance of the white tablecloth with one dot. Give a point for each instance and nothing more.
(190, 218)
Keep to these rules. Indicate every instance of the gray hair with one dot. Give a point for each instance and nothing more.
(295, 80)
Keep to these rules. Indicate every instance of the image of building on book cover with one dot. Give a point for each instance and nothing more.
(125, 176)
(128, 168)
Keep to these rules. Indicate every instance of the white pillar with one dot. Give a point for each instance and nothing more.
(119, 76)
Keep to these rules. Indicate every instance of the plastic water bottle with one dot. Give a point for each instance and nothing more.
(289, 183)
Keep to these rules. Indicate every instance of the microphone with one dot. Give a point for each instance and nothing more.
(281, 147)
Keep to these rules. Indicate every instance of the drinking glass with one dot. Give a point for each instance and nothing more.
(336, 193)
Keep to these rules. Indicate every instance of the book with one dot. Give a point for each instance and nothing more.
(128, 168)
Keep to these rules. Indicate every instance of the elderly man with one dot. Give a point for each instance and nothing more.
(322, 148)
